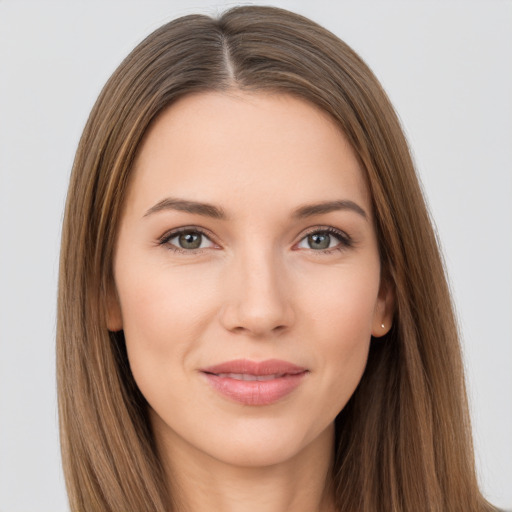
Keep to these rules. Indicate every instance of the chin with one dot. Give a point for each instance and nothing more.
(256, 454)
(263, 446)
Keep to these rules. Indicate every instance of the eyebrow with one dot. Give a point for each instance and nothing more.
(216, 212)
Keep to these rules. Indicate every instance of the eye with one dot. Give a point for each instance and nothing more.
(193, 240)
(326, 240)
(186, 240)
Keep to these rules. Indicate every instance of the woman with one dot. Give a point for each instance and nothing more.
(253, 312)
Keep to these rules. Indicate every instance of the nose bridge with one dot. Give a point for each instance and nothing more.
(258, 298)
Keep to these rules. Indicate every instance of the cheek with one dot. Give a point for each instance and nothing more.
(344, 306)
(159, 302)
(163, 315)
(343, 324)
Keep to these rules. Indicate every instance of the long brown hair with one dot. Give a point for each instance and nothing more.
(403, 442)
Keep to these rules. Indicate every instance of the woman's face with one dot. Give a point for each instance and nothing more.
(247, 276)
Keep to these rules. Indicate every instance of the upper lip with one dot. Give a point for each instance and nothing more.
(246, 366)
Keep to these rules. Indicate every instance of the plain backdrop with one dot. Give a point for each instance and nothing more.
(447, 68)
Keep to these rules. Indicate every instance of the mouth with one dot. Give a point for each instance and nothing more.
(249, 377)
(255, 383)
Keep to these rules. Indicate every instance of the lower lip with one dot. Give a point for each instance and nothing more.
(254, 392)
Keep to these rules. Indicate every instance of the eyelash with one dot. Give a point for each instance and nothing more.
(345, 241)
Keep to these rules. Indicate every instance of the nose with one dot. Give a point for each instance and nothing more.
(257, 298)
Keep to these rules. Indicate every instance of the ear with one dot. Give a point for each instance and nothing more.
(113, 313)
(384, 309)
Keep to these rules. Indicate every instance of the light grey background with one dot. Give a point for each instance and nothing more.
(447, 68)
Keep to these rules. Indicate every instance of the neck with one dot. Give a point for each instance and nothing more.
(201, 483)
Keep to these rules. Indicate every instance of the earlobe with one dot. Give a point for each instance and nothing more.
(384, 309)
(114, 317)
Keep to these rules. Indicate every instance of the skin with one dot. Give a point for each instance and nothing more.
(257, 288)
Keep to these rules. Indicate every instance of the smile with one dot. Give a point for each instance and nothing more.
(255, 383)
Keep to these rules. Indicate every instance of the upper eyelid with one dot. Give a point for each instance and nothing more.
(331, 230)
(177, 231)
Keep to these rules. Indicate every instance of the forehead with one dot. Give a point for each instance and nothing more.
(246, 150)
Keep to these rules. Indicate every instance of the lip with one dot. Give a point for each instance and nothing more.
(255, 383)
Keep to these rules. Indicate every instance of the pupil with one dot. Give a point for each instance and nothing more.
(190, 240)
(320, 241)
